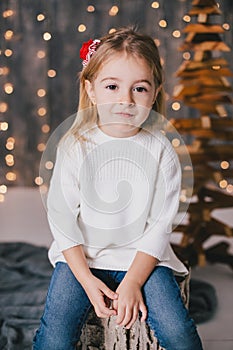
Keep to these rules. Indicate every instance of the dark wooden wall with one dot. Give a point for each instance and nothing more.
(28, 73)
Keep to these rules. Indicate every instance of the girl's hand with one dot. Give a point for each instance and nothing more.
(128, 304)
(100, 295)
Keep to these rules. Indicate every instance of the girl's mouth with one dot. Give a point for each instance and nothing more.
(125, 115)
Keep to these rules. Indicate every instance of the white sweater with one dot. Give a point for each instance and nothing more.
(115, 196)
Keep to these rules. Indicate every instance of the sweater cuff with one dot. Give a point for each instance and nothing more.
(161, 256)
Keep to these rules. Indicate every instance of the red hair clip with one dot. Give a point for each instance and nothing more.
(87, 50)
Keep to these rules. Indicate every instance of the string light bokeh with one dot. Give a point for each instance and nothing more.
(39, 55)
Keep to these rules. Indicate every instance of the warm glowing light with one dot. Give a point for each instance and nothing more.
(11, 139)
(188, 168)
(10, 146)
(38, 180)
(41, 111)
(43, 189)
(40, 17)
(186, 18)
(49, 165)
(51, 73)
(8, 52)
(4, 70)
(45, 128)
(7, 13)
(3, 189)
(216, 67)
(10, 143)
(113, 11)
(183, 198)
(224, 164)
(41, 147)
(157, 42)
(3, 126)
(163, 23)
(10, 176)
(3, 107)
(2, 198)
(229, 188)
(47, 36)
(155, 5)
(9, 160)
(41, 92)
(8, 87)
(9, 34)
(176, 33)
(186, 56)
(176, 106)
(226, 26)
(163, 132)
(112, 30)
(223, 183)
(175, 142)
(41, 54)
(90, 8)
(82, 28)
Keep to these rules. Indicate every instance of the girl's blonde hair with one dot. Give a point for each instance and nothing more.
(122, 40)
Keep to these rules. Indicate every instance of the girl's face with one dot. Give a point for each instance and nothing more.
(124, 92)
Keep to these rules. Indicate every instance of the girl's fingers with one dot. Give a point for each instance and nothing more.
(115, 305)
(120, 315)
(133, 319)
(103, 311)
(143, 310)
(127, 317)
(109, 293)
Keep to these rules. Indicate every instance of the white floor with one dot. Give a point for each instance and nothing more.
(23, 218)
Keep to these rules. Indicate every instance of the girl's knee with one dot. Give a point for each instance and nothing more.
(48, 339)
(181, 336)
(51, 344)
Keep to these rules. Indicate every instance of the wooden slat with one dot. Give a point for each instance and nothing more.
(209, 134)
(205, 72)
(207, 63)
(203, 28)
(184, 91)
(206, 81)
(205, 46)
(215, 66)
(196, 123)
(217, 175)
(212, 10)
(204, 3)
(208, 108)
(211, 98)
(198, 158)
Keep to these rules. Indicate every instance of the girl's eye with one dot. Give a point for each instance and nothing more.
(140, 89)
(111, 87)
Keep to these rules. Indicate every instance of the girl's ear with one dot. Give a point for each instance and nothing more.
(90, 91)
(156, 93)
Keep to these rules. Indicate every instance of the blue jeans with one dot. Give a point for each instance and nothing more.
(67, 307)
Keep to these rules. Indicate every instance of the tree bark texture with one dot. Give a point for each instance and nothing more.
(104, 334)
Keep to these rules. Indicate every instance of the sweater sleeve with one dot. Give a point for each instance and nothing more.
(63, 201)
(164, 207)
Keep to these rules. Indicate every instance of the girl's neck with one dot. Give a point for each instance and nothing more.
(116, 132)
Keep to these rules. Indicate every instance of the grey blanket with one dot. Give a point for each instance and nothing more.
(24, 278)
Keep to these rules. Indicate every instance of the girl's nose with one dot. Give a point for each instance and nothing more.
(127, 98)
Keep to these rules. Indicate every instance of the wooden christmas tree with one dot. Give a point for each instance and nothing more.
(204, 85)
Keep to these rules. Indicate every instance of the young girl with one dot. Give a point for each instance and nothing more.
(113, 197)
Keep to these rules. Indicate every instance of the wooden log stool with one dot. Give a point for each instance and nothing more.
(105, 334)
